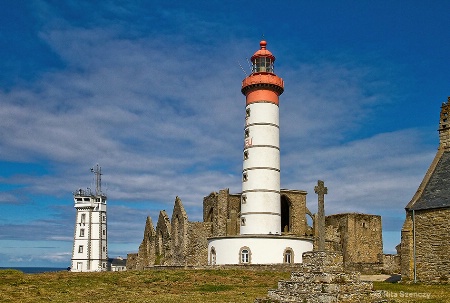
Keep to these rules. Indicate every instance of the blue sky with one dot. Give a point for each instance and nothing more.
(150, 90)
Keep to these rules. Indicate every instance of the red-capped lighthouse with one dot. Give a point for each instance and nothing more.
(260, 240)
(260, 203)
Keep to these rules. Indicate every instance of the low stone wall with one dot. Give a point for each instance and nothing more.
(391, 264)
(250, 267)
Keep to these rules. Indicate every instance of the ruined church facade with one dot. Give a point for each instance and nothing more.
(177, 242)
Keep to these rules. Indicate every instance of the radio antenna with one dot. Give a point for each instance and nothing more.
(242, 69)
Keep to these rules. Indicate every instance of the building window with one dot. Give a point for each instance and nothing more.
(244, 177)
(83, 218)
(244, 199)
(104, 248)
(247, 133)
(243, 221)
(212, 259)
(80, 249)
(247, 113)
(245, 255)
(246, 155)
(82, 232)
(104, 218)
(288, 256)
(104, 232)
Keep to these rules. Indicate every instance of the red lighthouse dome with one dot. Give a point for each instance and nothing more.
(262, 84)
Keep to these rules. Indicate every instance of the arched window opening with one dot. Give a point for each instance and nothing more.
(285, 214)
(212, 257)
(288, 256)
(245, 255)
(210, 216)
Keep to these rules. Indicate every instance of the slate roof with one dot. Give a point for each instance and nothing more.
(436, 193)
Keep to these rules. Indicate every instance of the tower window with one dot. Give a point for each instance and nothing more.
(246, 155)
(242, 221)
(247, 133)
(247, 113)
(104, 232)
(83, 218)
(244, 177)
(104, 218)
(82, 232)
(244, 199)
(80, 249)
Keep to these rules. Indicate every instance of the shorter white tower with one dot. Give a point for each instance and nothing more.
(90, 250)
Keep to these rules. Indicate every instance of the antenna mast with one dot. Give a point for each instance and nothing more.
(98, 179)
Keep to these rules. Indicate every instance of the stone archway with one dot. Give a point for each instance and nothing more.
(285, 214)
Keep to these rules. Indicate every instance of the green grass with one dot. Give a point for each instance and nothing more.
(171, 286)
(420, 293)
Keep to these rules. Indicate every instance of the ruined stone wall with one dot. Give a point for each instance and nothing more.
(197, 249)
(298, 224)
(406, 249)
(359, 238)
(234, 208)
(163, 252)
(432, 239)
(179, 234)
(391, 264)
(146, 254)
(131, 261)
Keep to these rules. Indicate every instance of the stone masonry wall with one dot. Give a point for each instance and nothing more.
(179, 233)
(298, 211)
(432, 245)
(197, 250)
(359, 238)
(406, 249)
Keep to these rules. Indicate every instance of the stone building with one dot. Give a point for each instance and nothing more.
(425, 241)
(358, 238)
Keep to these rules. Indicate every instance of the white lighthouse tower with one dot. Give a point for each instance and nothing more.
(260, 204)
(90, 250)
(260, 240)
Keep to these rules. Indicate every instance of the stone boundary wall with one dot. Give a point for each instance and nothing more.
(250, 267)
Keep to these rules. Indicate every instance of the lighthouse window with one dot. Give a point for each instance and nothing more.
(83, 218)
(242, 221)
(244, 177)
(244, 199)
(104, 232)
(82, 232)
(80, 248)
(246, 155)
(247, 113)
(247, 133)
(262, 64)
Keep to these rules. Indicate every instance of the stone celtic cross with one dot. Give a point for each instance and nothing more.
(321, 191)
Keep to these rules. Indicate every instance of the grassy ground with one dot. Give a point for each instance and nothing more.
(169, 286)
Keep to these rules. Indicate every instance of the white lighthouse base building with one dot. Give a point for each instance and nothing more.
(257, 249)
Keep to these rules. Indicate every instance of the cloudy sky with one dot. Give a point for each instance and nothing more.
(150, 90)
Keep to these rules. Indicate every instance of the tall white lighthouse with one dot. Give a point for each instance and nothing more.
(260, 203)
(90, 250)
(260, 240)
